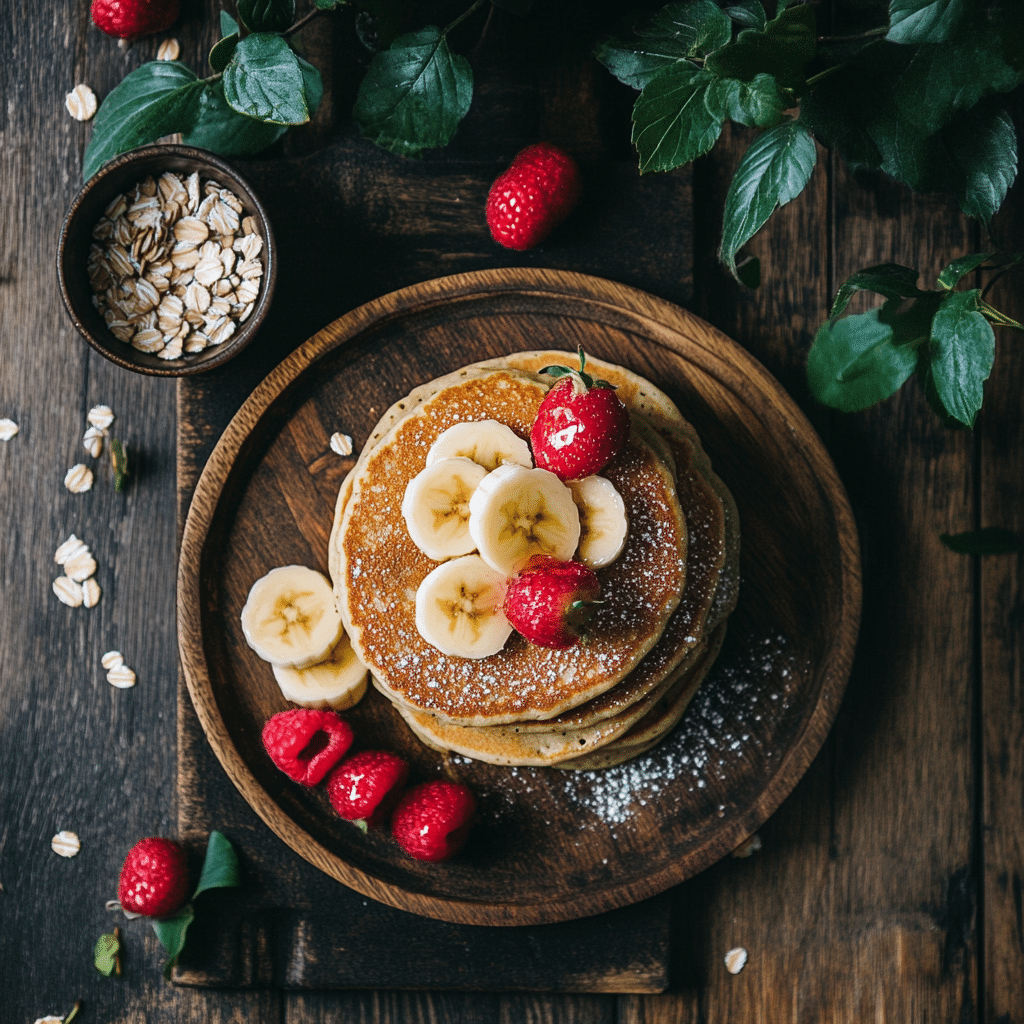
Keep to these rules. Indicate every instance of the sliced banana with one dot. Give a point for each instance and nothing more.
(289, 618)
(515, 513)
(436, 507)
(338, 682)
(603, 522)
(459, 608)
(487, 442)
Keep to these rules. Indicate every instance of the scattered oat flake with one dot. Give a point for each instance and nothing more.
(65, 844)
(80, 567)
(121, 676)
(100, 416)
(69, 549)
(78, 478)
(735, 960)
(91, 593)
(341, 443)
(68, 591)
(49, 1020)
(81, 103)
(93, 441)
(168, 50)
(112, 659)
(8, 428)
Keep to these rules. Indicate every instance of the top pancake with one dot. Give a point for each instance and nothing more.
(377, 568)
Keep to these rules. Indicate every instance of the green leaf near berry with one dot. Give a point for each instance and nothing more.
(106, 954)
(773, 171)
(266, 80)
(220, 868)
(225, 131)
(171, 932)
(415, 94)
(157, 99)
(266, 15)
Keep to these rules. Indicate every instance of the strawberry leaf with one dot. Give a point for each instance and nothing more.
(414, 94)
(672, 124)
(171, 931)
(157, 99)
(225, 131)
(266, 15)
(991, 540)
(758, 103)
(888, 279)
(950, 276)
(960, 355)
(265, 80)
(105, 954)
(773, 171)
(781, 49)
(220, 868)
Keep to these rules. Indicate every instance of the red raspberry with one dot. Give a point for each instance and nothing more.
(306, 743)
(154, 878)
(433, 819)
(550, 602)
(129, 19)
(537, 192)
(580, 426)
(365, 787)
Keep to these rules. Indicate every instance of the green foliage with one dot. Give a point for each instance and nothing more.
(944, 334)
(266, 15)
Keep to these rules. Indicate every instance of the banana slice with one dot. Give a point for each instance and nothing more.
(487, 442)
(603, 522)
(515, 513)
(436, 507)
(289, 618)
(338, 682)
(459, 608)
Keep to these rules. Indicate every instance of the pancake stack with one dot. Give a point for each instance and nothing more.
(666, 598)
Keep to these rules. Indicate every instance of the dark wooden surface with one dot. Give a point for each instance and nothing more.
(889, 885)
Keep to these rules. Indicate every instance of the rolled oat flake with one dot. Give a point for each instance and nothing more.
(65, 844)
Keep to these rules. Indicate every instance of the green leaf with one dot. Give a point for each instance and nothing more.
(414, 94)
(950, 276)
(222, 52)
(105, 955)
(773, 171)
(157, 99)
(782, 49)
(673, 34)
(991, 540)
(672, 124)
(264, 80)
(228, 25)
(758, 103)
(330, 5)
(312, 85)
(748, 13)
(266, 15)
(854, 363)
(171, 933)
(888, 279)
(923, 21)
(960, 355)
(983, 160)
(220, 867)
(225, 131)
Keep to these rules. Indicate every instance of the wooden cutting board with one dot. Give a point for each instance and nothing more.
(265, 499)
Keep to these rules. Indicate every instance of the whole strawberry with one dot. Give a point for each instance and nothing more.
(581, 425)
(550, 602)
(154, 878)
(537, 192)
(306, 743)
(129, 19)
(366, 786)
(433, 819)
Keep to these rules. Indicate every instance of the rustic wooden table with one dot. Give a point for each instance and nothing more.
(889, 884)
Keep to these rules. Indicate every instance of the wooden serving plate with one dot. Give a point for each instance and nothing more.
(549, 845)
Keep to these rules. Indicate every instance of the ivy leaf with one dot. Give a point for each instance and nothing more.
(673, 34)
(923, 21)
(855, 363)
(265, 80)
(773, 171)
(949, 277)
(781, 49)
(991, 540)
(748, 13)
(228, 25)
(758, 103)
(960, 355)
(222, 52)
(414, 94)
(157, 99)
(220, 867)
(888, 279)
(672, 124)
(225, 131)
(266, 15)
(106, 954)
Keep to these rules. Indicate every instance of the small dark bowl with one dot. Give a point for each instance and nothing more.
(115, 178)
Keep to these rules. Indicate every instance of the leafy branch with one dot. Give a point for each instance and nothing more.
(916, 98)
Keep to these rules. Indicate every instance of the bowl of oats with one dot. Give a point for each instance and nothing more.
(166, 261)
